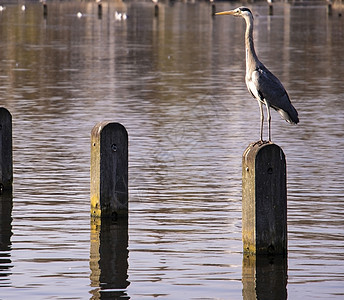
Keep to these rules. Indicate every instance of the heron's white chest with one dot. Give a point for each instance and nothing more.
(252, 83)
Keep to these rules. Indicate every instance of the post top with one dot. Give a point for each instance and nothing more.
(99, 127)
(260, 148)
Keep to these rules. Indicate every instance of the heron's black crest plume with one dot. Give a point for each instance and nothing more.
(245, 9)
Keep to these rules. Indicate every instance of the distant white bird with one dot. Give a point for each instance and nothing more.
(2, 8)
(23, 7)
(79, 14)
(155, 1)
(120, 16)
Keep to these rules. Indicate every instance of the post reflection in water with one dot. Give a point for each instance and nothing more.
(6, 205)
(109, 258)
(264, 277)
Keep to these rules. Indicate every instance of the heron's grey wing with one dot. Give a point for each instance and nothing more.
(271, 89)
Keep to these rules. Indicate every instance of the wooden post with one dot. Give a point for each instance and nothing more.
(264, 200)
(156, 10)
(109, 170)
(213, 8)
(109, 257)
(264, 277)
(45, 9)
(329, 7)
(6, 205)
(100, 10)
(6, 160)
(271, 8)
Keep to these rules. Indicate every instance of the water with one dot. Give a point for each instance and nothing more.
(176, 82)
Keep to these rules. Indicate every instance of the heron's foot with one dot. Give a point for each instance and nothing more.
(260, 143)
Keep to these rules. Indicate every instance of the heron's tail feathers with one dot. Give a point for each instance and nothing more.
(290, 115)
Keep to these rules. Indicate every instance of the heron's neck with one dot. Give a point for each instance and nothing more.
(251, 56)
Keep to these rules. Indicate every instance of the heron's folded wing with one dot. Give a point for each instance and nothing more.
(272, 90)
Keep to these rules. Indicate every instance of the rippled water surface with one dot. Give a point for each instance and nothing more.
(176, 82)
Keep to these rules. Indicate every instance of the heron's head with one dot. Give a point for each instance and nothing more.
(238, 12)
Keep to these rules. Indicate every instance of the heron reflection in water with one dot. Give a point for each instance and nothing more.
(261, 83)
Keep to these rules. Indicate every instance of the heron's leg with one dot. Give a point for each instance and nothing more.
(261, 119)
(269, 118)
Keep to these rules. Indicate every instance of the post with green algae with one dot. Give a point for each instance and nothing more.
(109, 170)
(264, 200)
(6, 158)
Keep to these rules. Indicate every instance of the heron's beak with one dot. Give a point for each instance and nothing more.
(228, 12)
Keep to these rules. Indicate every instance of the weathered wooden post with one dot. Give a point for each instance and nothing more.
(264, 200)
(6, 205)
(156, 9)
(109, 170)
(271, 8)
(109, 256)
(100, 10)
(45, 9)
(213, 8)
(264, 277)
(329, 7)
(6, 160)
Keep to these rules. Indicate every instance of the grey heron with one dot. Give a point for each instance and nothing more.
(261, 83)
